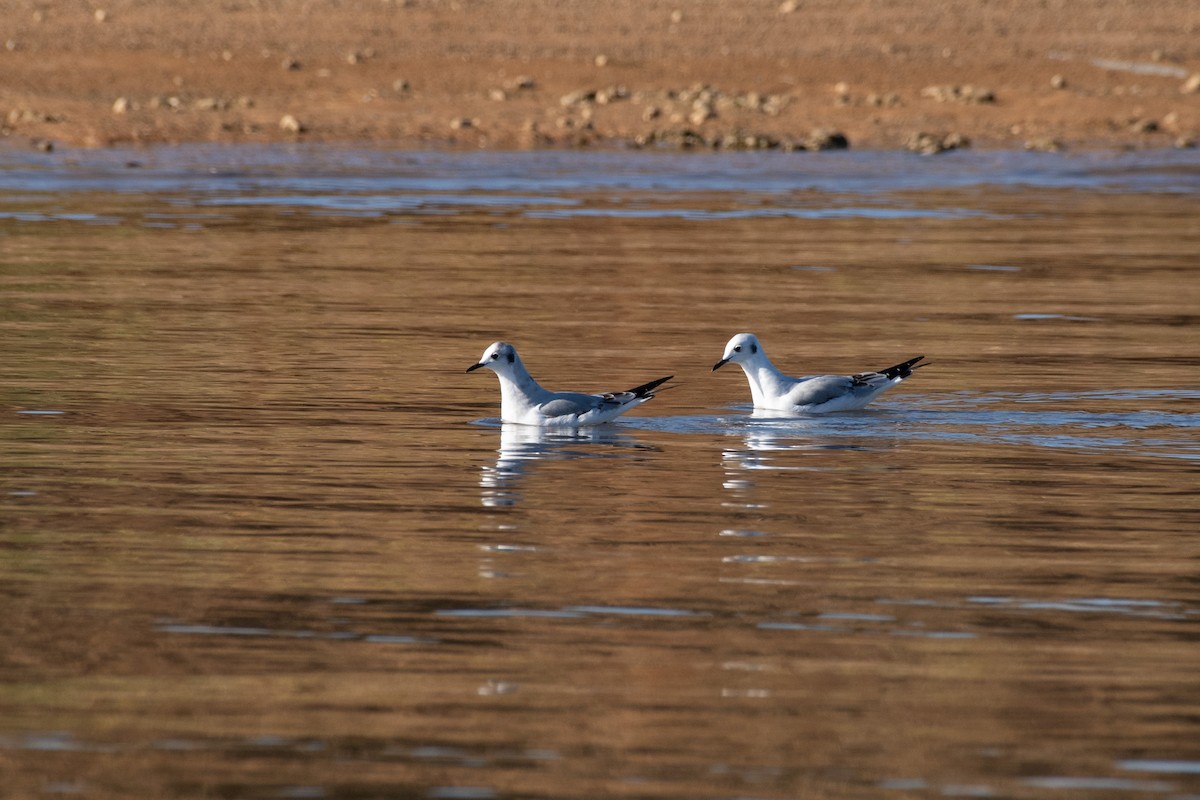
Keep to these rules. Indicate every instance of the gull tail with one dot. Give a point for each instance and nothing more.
(646, 390)
(904, 370)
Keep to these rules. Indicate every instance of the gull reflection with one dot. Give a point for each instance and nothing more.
(768, 436)
(522, 445)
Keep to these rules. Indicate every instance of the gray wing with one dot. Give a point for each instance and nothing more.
(823, 388)
(573, 403)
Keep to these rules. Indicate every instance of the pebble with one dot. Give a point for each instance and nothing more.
(1058, 82)
(1192, 84)
(462, 123)
(290, 124)
(21, 115)
(120, 105)
(826, 139)
(290, 64)
(788, 6)
(890, 100)
(498, 95)
(959, 94)
(577, 97)
(928, 144)
(702, 111)
(521, 83)
(611, 95)
(1045, 144)
(1143, 126)
(401, 86)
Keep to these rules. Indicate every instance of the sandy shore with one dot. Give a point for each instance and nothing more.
(690, 73)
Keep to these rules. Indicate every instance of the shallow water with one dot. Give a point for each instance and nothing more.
(262, 537)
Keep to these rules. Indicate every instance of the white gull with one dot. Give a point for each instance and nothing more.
(815, 394)
(525, 402)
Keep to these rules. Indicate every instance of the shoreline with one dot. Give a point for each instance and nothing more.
(511, 75)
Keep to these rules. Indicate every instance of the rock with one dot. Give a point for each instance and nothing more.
(290, 64)
(521, 83)
(577, 98)
(1185, 143)
(826, 139)
(611, 95)
(401, 86)
(120, 105)
(676, 17)
(1045, 144)
(701, 113)
(462, 123)
(788, 6)
(889, 100)
(1192, 84)
(959, 94)
(26, 115)
(498, 95)
(601, 60)
(1143, 126)
(928, 144)
(1058, 82)
(290, 124)
(100, 15)
(651, 113)
(43, 145)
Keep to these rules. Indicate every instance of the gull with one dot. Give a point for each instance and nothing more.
(815, 394)
(523, 401)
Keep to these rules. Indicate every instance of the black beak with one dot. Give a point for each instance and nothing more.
(474, 367)
(720, 364)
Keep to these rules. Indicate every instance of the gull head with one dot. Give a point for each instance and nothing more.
(741, 348)
(499, 358)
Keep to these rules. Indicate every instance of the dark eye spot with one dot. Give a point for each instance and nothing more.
(495, 356)
(737, 349)
(753, 348)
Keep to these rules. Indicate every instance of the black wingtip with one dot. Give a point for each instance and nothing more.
(646, 389)
(903, 370)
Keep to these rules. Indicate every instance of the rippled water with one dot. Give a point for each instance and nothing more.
(262, 537)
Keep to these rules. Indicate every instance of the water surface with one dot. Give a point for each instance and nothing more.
(264, 538)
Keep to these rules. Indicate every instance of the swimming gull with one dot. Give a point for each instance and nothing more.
(523, 401)
(814, 394)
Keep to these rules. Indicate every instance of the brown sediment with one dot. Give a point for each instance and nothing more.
(804, 74)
